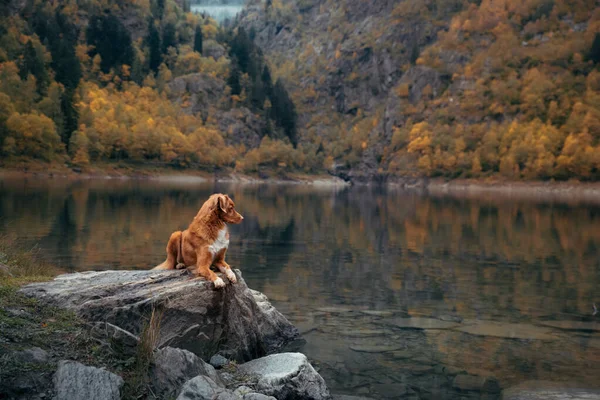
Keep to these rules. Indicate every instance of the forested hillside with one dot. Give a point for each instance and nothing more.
(451, 88)
(140, 82)
(361, 89)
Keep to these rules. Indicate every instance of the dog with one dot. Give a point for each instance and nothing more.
(204, 243)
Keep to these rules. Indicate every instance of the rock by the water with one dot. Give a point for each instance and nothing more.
(197, 317)
(218, 361)
(174, 367)
(543, 390)
(573, 325)
(376, 348)
(75, 381)
(204, 388)
(286, 376)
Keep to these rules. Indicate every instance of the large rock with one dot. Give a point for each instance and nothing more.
(174, 367)
(75, 381)
(285, 376)
(196, 316)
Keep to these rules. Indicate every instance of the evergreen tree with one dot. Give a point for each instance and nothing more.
(169, 38)
(111, 40)
(414, 54)
(241, 49)
(153, 41)
(267, 81)
(186, 6)
(594, 55)
(283, 111)
(34, 65)
(234, 80)
(70, 116)
(198, 39)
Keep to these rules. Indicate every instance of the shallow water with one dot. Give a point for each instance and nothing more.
(398, 295)
(219, 13)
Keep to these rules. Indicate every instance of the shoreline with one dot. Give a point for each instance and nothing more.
(567, 191)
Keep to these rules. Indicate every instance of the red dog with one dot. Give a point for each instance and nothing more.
(205, 241)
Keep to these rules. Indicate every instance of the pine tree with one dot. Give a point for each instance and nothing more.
(103, 32)
(153, 40)
(595, 50)
(234, 80)
(34, 65)
(169, 38)
(70, 116)
(267, 81)
(198, 39)
(283, 111)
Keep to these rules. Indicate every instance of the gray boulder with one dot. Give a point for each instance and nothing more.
(285, 376)
(75, 381)
(196, 316)
(174, 367)
(204, 388)
(122, 341)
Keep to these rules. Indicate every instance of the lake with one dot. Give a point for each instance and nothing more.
(398, 295)
(219, 13)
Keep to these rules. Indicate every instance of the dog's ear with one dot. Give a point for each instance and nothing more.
(223, 202)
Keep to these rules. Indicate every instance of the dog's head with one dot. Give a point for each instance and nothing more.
(225, 209)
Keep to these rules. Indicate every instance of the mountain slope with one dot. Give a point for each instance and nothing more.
(452, 88)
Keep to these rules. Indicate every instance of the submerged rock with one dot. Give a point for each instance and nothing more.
(285, 376)
(174, 367)
(506, 330)
(75, 381)
(421, 323)
(543, 390)
(195, 316)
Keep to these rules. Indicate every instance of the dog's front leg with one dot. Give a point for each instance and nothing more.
(203, 262)
(224, 267)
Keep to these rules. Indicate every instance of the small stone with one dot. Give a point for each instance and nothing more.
(218, 361)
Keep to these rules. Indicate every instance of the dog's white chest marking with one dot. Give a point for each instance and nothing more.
(222, 242)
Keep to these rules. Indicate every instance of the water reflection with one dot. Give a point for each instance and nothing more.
(398, 295)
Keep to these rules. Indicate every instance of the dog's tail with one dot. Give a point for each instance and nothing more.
(173, 252)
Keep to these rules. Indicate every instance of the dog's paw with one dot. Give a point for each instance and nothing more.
(231, 276)
(219, 283)
(180, 266)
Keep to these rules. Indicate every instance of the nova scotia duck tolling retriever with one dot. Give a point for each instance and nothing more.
(204, 243)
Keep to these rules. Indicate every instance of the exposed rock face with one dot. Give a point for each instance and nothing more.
(75, 381)
(352, 56)
(197, 317)
(286, 376)
(173, 367)
(196, 93)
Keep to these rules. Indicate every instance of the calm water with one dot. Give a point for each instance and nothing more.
(219, 13)
(398, 295)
